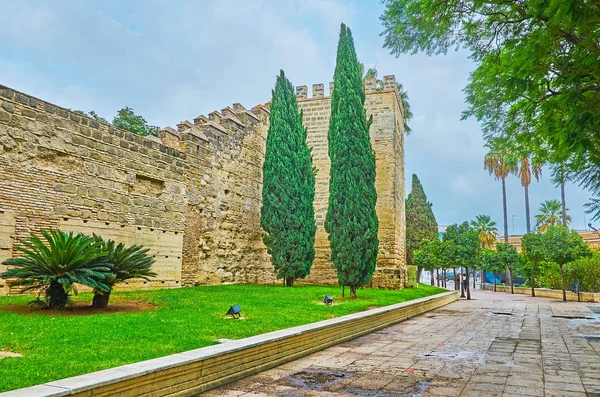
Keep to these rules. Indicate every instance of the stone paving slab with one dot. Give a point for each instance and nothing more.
(494, 345)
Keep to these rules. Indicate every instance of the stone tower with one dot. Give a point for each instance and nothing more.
(387, 138)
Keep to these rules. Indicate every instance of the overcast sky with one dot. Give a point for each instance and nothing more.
(174, 60)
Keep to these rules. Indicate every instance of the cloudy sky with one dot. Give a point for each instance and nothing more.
(174, 60)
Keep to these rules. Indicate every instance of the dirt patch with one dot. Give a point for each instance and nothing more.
(6, 353)
(81, 309)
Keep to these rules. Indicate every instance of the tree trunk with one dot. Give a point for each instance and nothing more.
(505, 210)
(56, 296)
(343, 290)
(532, 286)
(100, 301)
(527, 213)
(289, 281)
(467, 283)
(494, 274)
(444, 281)
(562, 275)
(564, 203)
(456, 286)
(474, 278)
(437, 275)
(352, 292)
(512, 288)
(508, 277)
(419, 271)
(432, 280)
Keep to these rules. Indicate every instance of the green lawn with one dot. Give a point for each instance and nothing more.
(56, 347)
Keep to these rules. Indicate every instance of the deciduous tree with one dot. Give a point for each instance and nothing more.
(563, 246)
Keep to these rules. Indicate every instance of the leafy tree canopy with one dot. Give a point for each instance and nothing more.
(508, 255)
(537, 79)
(564, 246)
(127, 120)
(429, 255)
(420, 220)
(461, 244)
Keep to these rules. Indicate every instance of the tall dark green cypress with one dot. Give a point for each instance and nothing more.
(351, 219)
(420, 221)
(287, 214)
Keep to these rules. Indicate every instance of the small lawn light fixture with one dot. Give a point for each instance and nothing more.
(234, 311)
(328, 300)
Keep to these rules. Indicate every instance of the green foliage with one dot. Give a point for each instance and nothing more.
(94, 115)
(351, 219)
(550, 215)
(533, 246)
(57, 264)
(429, 255)
(586, 271)
(488, 233)
(127, 120)
(56, 347)
(125, 262)
(508, 256)
(461, 244)
(537, 76)
(420, 220)
(563, 246)
(490, 260)
(287, 213)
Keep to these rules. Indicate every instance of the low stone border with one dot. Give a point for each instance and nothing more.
(195, 371)
(546, 293)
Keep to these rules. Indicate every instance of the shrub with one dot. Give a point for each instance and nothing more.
(125, 263)
(54, 267)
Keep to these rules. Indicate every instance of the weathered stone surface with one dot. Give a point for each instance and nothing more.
(201, 183)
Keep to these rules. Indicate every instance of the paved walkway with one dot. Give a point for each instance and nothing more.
(495, 345)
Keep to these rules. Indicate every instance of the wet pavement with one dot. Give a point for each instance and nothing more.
(494, 345)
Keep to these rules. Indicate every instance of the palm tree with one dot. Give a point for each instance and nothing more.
(55, 265)
(526, 170)
(559, 178)
(488, 233)
(550, 215)
(500, 162)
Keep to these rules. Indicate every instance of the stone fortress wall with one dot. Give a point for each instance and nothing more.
(191, 195)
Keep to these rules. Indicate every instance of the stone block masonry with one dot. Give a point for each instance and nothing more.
(192, 195)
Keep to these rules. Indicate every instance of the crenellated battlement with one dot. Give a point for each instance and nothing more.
(193, 192)
(370, 85)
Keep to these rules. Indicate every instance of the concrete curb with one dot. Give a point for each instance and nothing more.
(195, 371)
(546, 293)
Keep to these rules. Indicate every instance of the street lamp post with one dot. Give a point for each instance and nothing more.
(513, 223)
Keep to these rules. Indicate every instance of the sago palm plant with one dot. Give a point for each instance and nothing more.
(56, 265)
(125, 263)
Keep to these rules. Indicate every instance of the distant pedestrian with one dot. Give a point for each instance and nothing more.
(464, 281)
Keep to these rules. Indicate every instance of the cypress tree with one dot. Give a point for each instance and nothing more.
(420, 221)
(351, 219)
(287, 214)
